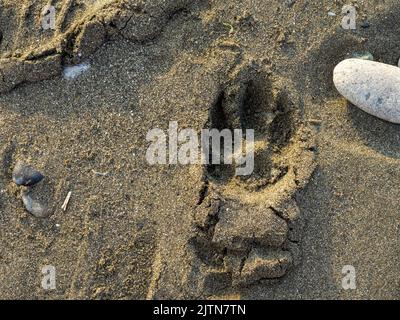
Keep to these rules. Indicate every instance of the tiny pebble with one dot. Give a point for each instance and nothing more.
(71, 72)
(290, 3)
(365, 25)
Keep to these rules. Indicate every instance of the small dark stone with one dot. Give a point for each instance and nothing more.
(290, 3)
(365, 25)
(140, 225)
(24, 175)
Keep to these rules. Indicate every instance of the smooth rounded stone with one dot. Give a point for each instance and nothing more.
(372, 86)
(33, 205)
(25, 175)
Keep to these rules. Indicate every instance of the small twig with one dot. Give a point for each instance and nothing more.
(100, 173)
(66, 201)
(229, 26)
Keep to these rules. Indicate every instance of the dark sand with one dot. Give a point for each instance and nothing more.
(134, 233)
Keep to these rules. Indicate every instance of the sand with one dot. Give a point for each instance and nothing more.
(324, 193)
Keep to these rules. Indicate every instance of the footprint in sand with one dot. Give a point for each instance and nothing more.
(249, 227)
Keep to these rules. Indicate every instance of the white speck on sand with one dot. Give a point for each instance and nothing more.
(71, 72)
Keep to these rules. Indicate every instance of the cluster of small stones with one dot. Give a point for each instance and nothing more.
(29, 179)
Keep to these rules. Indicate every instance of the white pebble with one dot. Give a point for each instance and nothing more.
(372, 86)
(71, 72)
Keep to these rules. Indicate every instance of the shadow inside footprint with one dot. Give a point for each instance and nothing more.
(257, 102)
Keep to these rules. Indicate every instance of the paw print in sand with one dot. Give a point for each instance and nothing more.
(249, 227)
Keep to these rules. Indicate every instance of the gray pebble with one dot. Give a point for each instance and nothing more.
(33, 205)
(24, 175)
(372, 86)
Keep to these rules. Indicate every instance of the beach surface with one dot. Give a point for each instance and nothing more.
(324, 195)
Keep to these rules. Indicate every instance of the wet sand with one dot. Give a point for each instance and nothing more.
(136, 231)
